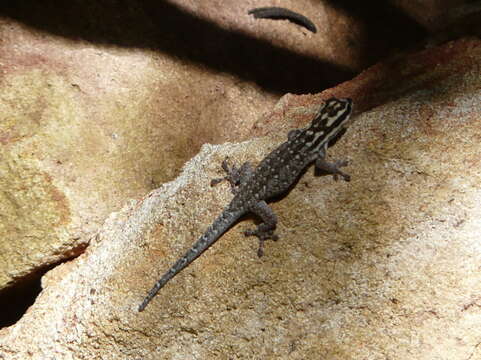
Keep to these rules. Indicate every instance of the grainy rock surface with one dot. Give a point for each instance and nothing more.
(101, 102)
(386, 266)
(83, 128)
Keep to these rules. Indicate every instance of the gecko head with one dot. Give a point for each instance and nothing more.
(332, 117)
(328, 125)
(335, 113)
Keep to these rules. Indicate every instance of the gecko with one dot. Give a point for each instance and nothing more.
(275, 175)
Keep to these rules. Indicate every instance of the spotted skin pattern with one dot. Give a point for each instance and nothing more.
(274, 175)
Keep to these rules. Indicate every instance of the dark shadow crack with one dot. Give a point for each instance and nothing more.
(16, 299)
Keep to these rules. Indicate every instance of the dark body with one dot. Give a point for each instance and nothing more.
(274, 175)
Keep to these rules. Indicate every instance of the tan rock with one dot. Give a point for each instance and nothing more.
(84, 128)
(100, 104)
(386, 266)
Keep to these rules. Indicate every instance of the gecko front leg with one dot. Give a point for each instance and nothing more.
(331, 168)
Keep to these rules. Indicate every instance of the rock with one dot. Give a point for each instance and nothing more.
(386, 266)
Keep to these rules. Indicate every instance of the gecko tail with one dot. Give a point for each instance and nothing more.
(213, 233)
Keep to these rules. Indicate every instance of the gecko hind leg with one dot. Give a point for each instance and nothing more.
(235, 175)
(265, 230)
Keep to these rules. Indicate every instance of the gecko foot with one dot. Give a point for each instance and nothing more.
(263, 235)
(234, 175)
(328, 168)
(229, 174)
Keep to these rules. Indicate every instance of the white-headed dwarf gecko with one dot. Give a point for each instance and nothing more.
(274, 175)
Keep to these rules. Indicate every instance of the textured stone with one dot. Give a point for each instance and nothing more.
(386, 266)
(102, 102)
(84, 128)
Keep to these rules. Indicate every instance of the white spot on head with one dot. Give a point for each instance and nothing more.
(331, 120)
